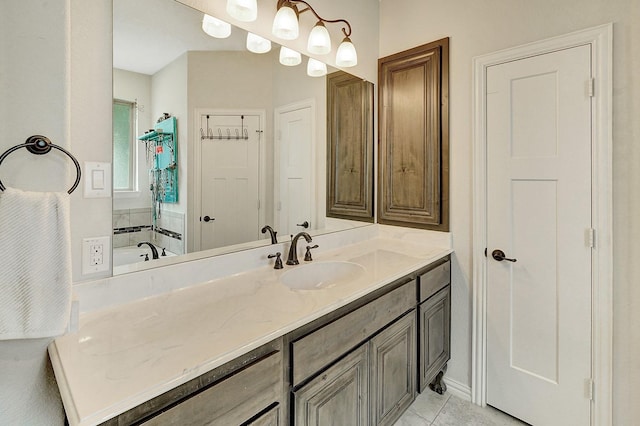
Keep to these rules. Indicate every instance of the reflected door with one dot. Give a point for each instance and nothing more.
(295, 160)
(229, 180)
(539, 214)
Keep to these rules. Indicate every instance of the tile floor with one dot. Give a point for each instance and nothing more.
(431, 409)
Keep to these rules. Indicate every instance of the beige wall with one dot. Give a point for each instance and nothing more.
(477, 28)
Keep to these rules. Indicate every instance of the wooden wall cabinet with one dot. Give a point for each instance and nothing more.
(413, 174)
(349, 147)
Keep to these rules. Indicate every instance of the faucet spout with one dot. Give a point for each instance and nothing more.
(292, 259)
(272, 233)
(154, 250)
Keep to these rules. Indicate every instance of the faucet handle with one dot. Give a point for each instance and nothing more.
(278, 264)
(164, 253)
(146, 257)
(307, 255)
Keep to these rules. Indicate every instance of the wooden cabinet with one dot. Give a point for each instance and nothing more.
(349, 147)
(434, 323)
(393, 370)
(339, 395)
(413, 173)
(371, 385)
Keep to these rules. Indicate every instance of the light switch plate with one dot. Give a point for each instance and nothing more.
(97, 180)
(96, 255)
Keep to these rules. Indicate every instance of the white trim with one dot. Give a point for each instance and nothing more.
(197, 169)
(601, 41)
(458, 389)
(305, 103)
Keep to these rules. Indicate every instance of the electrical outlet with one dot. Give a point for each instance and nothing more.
(96, 255)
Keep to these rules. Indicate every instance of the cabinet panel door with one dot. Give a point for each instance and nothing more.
(413, 175)
(393, 367)
(435, 329)
(339, 396)
(349, 147)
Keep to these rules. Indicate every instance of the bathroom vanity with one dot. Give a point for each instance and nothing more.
(302, 345)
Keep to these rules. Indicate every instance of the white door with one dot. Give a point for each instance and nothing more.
(229, 180)
(296, 188)
(539, 213)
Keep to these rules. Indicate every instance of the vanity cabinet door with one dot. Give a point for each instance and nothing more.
(338, 396)
(435, 330)
(393, 367)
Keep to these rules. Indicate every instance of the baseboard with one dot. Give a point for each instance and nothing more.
(458, 389)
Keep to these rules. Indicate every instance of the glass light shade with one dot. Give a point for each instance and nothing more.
(319, 40)
(257, 44)
(316, 68)
(243, 10)
(346, 55)
(215, 27)
(285, 24)
(289, 57)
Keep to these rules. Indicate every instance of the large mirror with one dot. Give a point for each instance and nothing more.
(211, 141)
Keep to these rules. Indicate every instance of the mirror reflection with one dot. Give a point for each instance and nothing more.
(212, 142)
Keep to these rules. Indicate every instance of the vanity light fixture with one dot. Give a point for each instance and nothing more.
(289, 57)
(243, 10)
(215, 27)
(257, 44)
(285, 26)
(316, 68)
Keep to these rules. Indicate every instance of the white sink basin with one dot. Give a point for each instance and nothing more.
(319, 275)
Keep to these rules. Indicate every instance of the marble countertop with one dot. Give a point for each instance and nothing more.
(125, 355)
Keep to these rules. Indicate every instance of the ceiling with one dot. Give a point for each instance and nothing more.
(149, 34)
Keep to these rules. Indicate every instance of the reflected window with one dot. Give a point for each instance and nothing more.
(124, 143)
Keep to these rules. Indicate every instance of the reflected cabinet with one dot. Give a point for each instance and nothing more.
(349, 147)
(413, 174)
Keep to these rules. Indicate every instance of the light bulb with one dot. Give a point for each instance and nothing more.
(285, 24)
(346, 55)
(289, 57)
(257, 44)
(215, 27)
(316, 68)
(319, 40)
(243, 10)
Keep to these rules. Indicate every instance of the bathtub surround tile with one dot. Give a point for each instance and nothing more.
(121, 219)
(141, 219)
(138, 237)
(120, 240)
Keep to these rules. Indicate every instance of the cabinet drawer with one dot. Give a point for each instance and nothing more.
(234, 400)
(434, 280)
(316, 350)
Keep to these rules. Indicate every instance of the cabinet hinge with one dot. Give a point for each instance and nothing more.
(592, 87)
(589, 387)
(590, 238)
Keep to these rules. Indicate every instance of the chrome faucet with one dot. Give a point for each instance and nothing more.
(292, 259)
(154, 251)
(273, 233)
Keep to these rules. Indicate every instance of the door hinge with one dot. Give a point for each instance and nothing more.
(592, 87)
(589, 387)
(590, 238)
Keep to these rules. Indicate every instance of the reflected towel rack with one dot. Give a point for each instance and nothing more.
(39, 145)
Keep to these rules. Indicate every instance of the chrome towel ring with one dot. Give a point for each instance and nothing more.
(40, 145)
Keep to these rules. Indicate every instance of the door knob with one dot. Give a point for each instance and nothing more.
(500, 256)
(304, 224)
(208, 219)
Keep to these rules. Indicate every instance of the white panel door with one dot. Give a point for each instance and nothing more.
(539, 213)
(296, 188)
(229, 181)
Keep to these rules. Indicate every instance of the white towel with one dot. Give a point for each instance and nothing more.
(35, 264)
